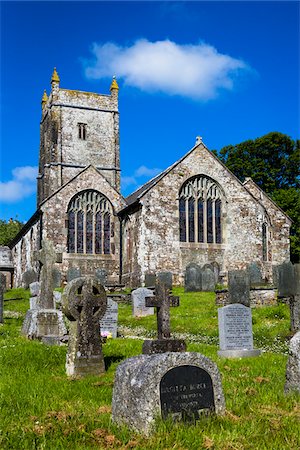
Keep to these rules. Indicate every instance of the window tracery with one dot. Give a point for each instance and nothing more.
(89, 223)
(200, 211)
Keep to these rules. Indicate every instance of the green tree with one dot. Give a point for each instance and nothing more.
(8, 230)
(272, 161)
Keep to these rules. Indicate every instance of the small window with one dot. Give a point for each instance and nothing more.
(82, 131)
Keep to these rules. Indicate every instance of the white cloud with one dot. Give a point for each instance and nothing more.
(22, 184)
(197, 71)
(141, 172)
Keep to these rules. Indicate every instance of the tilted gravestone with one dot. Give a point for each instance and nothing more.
(292, 383)
(235, 332)
(182, 386)
(162, 301)
(84, 303)
(255, 275)
(72, 273)
(138, 299)
(28, 277)
(109, 322)
(192, 278)
(101, 275)
(150, 279)
(45, 322)
(239, 287)
(2, 287)
(208, 278)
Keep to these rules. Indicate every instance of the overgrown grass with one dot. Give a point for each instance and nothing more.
(42, 409)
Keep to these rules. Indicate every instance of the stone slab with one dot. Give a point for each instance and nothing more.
(292, 383)
(239, 287)
(72, 273)
(101, 275)
(192, 278)
(286, 280)
(208, 278)
(151, 347)
(165, 278)
(44, 323)
(138, 300)
(34, 289)
(150, 279)
(56, 278)
(185, 386)
(28, 277)
(109, 322)
(255, 274)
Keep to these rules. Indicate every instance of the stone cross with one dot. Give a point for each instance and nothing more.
(47, 258)
(84, 302)
(162, 301)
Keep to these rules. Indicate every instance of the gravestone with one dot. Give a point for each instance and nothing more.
(216, 269)
(255, 275)
(289, 286)
(208, 278)
(2, 288)
(275, 275)
(109, 322)
(28, 277)
(150, 279)
(57, 297)
(235, 332)
(72, 273)
(34, 295)
(138, 299)
(43, 321)
(292, 383)
(192, 278)
(56, 278)
(101, 275)
(84, 303)
(239, 287)
(182, 386)
(163, 301)
(165, 278)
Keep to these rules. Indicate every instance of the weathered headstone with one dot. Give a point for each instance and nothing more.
(208, 278)
(101, 275)
(109, 322)
(34, 295)
(165, 278)
(235, 332)
(255, 275)
(192, 278)
(72, 273)
(216, 269)
(293, 366)
(56, 278)
(43, 321)
(289, 286)
(138, 299)
(28, 277)
(239, 287)
(150, 279)
(183, 386)
(275, 275)
(162, 301)
(2, 287)
(84, 302)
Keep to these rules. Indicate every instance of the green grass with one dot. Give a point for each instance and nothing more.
(42, 409)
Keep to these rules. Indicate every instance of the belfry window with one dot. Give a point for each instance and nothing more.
(200, 211)
(82, 131)
(89, 223)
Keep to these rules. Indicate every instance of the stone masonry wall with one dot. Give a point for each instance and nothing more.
(22, 253)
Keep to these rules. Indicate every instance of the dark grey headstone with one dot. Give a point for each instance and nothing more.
(216, 269)
(150, 279)
(208, 278)
(297, 278)
(28, 277)
(72, 273)
(101, 275)
(275, 275)
(235, 331)
(56, 277)
(165, 278)
(192, 278)
(239, 287)
(286, 280)
(109, 322)
(2, 287)
(255, 274)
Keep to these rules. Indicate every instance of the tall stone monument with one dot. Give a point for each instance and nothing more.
(84, 302)
(43, 321)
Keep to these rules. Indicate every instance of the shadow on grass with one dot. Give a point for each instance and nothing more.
(109, 360)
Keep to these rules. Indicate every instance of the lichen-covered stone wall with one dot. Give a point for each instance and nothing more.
(23, 253)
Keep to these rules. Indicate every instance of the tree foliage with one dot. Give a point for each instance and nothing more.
(272, 161)
(8, 230)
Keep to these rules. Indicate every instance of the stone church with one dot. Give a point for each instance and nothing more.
(194, 211)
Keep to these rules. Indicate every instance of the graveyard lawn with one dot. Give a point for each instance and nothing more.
(42, 409)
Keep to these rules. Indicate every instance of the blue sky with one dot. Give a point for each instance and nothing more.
(227, 71)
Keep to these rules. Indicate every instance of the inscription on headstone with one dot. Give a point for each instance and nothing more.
(139, 308)
(186, 393)
(239, 287)
(109, 322)
(192, 278)
(235, 331)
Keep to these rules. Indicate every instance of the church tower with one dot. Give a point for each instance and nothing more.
(77, 129)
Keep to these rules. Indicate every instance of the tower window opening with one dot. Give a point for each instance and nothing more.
(82, 131)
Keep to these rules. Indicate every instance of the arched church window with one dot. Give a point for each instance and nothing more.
(200, 211)
(90, 223)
